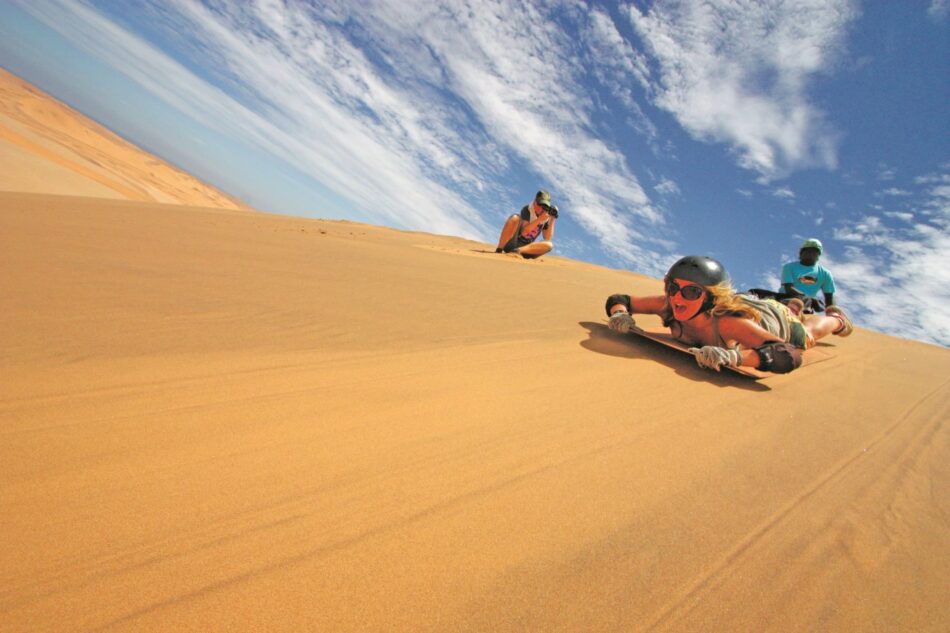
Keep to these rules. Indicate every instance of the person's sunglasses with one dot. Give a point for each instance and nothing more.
(546, 207)
(690, 293)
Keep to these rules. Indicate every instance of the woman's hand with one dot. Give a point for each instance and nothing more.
(621, 322)
(712, 357)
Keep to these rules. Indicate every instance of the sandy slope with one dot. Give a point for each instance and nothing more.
(47, 147)
(220, 421)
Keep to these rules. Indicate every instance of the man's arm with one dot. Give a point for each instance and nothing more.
(828, 289)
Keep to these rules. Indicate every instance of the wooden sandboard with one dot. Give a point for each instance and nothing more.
(662, 335)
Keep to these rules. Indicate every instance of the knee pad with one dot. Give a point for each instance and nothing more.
(613, 300)
(779, 358)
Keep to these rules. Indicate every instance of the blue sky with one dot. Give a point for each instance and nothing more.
(731, 129)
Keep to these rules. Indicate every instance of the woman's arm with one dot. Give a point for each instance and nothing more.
(760, 349)
(549, 230)
(619, 308)
(749, 334)
(531, 225)
(635, 305)
(745, 332)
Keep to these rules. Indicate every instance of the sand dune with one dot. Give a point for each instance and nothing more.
(47, 147)
(217, 420)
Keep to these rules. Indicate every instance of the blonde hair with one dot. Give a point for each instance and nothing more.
(724, 300)
(727, 303)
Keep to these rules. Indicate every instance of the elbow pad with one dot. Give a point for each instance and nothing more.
(613, 300)
(779, 358)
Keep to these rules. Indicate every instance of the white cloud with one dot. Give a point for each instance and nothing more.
(401, 107)
(614, 62)
(296, 118)
(900, 215)
(738, 72)
(886, 173)
(784, 192)
(769, 281)
(934, 178)
(667, 187)
(897, 278)
(892, 191)
(939, 9)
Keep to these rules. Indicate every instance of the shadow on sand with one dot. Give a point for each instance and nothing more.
(515, 256)
(603, 341)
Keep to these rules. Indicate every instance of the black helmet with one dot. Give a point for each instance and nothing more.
(698, 269)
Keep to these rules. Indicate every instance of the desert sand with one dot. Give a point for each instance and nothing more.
(222, 420)
(47, 147)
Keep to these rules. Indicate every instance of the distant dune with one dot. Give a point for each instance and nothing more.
(47, 147)
(213, 419)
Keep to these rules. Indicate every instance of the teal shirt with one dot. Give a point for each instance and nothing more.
(808, 279)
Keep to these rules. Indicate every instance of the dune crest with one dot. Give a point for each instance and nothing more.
(47, 147)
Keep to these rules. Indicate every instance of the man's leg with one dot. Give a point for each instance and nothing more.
(535, 249)
(508, 232)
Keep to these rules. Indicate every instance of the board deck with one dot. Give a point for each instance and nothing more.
(662, 335)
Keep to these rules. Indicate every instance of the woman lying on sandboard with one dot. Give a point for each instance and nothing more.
(702, 309)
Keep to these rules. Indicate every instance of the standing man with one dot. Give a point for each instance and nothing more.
(521, 230)
(804, 278)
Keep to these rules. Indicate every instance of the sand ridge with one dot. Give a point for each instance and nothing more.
(83, 158)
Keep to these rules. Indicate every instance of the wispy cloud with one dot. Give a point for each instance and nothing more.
(892, 192)
(784, 192)
(406, 111)
(897, 277)
(667, 187)
(285, 112)
(738, 73)
(886, 173)
(900, 215)
(939, 10)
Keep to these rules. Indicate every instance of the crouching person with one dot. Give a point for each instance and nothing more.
(702, 309)
(522, 229)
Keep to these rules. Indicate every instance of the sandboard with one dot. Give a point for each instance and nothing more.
(662, 335)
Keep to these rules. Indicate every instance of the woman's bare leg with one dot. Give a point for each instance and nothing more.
(508, 231)
(819, 326)
(536, 249)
